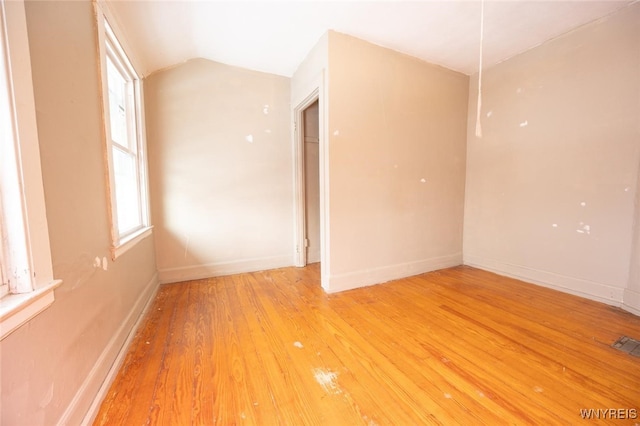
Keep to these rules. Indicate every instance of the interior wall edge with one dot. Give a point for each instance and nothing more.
(367, 277)
(218, 269)
(86, 402)
(599, 292)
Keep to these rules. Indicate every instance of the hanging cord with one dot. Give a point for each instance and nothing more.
(479, 107)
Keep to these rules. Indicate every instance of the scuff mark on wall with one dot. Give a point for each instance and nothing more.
(47, 397)
(78, 272)
(583, 228)
(186, 245)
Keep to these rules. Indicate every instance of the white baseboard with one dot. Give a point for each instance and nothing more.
(196, 272)
(109, 360)
(599, 292)
(631, 301)
(383, 274)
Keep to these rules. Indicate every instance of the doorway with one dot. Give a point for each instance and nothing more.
(311, 165)
(310, 200)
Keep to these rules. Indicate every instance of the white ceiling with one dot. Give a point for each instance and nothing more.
(274, 36)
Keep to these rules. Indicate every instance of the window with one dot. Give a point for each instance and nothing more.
(6, 138)
(4, 282)
(124, 134)
(27, 286)
(12, 227)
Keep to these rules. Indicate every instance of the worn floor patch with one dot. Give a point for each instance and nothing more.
(628, 345)
(326, 379)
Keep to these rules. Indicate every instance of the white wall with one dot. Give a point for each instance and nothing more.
(396, 137)
(53, 366)
(550, 193)
(220, 164)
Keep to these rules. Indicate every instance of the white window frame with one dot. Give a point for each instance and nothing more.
(110, 47)
(26, 257)
(4, 282)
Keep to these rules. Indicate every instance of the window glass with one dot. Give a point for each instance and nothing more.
(117, 104)
(127, 196)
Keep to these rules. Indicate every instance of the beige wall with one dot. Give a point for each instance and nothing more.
(220, 164)
(397, 135)
(560, 147)
(53, 366)
(551, 183)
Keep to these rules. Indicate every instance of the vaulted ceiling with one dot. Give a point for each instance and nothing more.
(274, 36)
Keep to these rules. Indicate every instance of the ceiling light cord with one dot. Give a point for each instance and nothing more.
(479, 107)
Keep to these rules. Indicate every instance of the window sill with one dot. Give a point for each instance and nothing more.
(17, 309)
(129, 242)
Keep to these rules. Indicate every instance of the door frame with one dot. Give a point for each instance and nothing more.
(300, 181)
(315, 92)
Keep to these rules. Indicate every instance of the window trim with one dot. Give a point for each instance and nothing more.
(109, 44)
(25, 233)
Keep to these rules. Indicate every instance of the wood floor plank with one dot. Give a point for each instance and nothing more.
(476, 353)
(456, 346)
(202, 412)
(135, 384)
(250, 332)
(533, 328)
(427, 368)
(321, 350)
(168, 400)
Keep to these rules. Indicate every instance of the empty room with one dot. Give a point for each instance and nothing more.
(319, 212)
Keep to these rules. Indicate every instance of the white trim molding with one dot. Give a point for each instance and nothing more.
(316, 89)
(26, 252)
(599, 292)
(130, 242)
(96, 385)
(133, 145)
(196, 272)
(351, 280)
(17, 309)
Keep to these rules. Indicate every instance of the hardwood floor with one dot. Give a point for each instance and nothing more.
(457, 346)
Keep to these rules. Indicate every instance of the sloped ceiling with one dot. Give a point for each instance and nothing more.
(275, 36)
